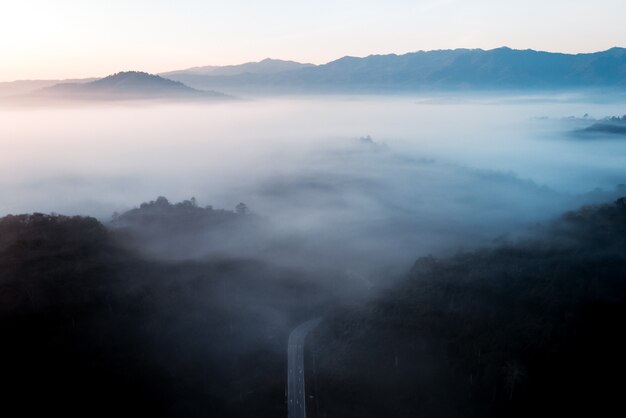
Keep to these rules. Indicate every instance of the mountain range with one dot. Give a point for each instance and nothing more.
(468, 69)
(441, 70)
(267, 66)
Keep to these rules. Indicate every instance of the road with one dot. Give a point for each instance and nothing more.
(296, 394)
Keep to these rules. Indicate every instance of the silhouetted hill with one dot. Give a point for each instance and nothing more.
(127, 85)
(501, 68)
(613, 125)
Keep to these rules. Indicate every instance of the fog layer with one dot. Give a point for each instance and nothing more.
(339, 179)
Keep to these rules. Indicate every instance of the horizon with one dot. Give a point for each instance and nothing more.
(76, 39)
(160, 73)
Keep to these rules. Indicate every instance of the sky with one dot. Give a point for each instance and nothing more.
(43, 39)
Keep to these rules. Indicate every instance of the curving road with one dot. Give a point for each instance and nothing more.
(296, 395)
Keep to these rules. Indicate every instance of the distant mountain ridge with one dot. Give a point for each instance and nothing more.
(440, 70)
(126, 85)
(20, 87)
(501, 68)
(267, 66)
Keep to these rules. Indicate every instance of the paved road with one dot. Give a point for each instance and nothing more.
(296, 395)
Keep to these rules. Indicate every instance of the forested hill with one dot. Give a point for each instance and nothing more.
(92, 327)
(124, 86)
(531, 328)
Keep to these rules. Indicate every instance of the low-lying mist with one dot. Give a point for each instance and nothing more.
(361, 184)
(221, 227)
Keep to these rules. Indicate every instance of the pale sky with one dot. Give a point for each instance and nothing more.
(41, 39)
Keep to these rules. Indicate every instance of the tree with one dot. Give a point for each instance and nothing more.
(242, 209)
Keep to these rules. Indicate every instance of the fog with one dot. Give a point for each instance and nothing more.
(365, 184)
(179, 300)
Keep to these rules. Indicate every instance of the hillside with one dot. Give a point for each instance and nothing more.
(93, 328)
(530, 328)
(613, 125)
(124, 86)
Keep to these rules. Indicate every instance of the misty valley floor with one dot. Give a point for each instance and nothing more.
(93, 326)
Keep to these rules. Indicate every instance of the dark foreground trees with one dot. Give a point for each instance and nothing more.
(524, 329)
(92, 328)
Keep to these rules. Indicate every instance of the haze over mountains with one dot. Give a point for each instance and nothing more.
(442, 70)
(501, 68)
(267, 66)
(126, 85)
(21, 87)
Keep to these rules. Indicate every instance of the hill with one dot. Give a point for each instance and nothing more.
(126, 85)
(526, 328)
(93, 327)
(612, 125)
